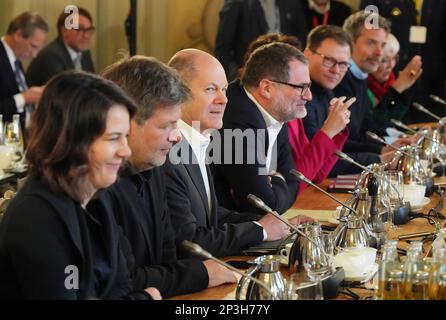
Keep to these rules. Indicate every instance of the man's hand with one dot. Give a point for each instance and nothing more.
(218, 274)
(301, 219)
(338, 116)
(275, 229)
(32, 95)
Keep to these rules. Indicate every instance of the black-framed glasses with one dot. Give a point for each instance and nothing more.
(304, 87)
(89, 30)
(330, 62)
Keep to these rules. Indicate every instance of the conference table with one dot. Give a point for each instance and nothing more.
(312, 199)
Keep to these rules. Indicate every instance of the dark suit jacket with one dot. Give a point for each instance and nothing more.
(402, 14)
(54, 59)
(152, 237)
(220, 231)
(8, 87)
(236, 180)
(242, 21)
(42, 233)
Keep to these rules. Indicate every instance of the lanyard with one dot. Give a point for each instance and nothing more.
(324, 20)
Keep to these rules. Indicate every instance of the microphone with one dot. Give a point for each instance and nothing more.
(301, 177)
(197, 249)
(375, 137)
(402, 125)
(437, 99)
(343, 156)
(423, 109)
(262, 206)
(256, 201)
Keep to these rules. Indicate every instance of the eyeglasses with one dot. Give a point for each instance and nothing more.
(304, 87)
(330, 62)
(89, 30)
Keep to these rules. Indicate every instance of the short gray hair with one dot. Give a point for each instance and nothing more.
(27, 22)
(149, 82)
(355, 23)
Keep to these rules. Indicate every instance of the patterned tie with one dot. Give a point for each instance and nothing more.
(21, 83)
(19, 76)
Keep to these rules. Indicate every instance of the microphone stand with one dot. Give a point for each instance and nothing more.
(301, 177)
(197, 249)
(375, 137)
(262, 206)
(423, 109)
(437, 99)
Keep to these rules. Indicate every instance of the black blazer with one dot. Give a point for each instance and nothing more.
(8, 87)
(235, 181)
(152, 237)
(42, 233)
(220, 231)
(242, 21)
(54, 59)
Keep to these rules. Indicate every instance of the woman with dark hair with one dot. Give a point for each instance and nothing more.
(52, 246)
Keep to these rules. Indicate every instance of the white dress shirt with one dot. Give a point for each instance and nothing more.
(75, 56)
(199, 144)
(273, 127)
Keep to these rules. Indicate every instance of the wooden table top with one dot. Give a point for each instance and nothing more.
(313, 199)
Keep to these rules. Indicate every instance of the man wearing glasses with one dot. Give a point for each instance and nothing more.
(70, 50)
(273, 89)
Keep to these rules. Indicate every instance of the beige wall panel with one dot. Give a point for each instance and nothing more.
(110, 35)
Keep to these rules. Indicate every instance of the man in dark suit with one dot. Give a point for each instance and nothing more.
(273, 89)
(408, 18)
(70, 50)
(242, 21)
(25, 36)
(139, 196)
(194, 208)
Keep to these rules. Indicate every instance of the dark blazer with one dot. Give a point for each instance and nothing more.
(152, 237)
(220, 231)
(235, 181)
(42, 233)
(402, 14)
(54, 59)
(242, 21)
(8, 87)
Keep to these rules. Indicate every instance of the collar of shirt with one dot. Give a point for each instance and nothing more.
(137, 178)
(313, 6)
(11, 56)
(73, 53)
(198, 142)
(358, 73)
(271, 123)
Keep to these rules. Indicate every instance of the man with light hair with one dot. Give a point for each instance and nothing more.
(25, 37)
(195, 211)
(388, 93)
(368, 32)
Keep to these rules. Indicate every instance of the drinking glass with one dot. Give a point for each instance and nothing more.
(13, 138)
(393, 194)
